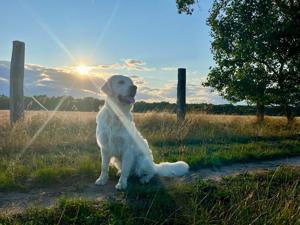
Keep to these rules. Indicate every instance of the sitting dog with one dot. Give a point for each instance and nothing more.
(120, 142)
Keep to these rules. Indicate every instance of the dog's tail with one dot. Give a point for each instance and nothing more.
(176, 169)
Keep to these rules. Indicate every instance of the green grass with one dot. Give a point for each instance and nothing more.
(263, 198)
(65, 152)
(66, 148)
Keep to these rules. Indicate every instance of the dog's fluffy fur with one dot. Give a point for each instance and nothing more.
(120, 142)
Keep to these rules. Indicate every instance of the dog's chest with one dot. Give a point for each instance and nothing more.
(112, 135)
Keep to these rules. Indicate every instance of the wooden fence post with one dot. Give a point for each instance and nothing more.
(16, 100)
(181, 89)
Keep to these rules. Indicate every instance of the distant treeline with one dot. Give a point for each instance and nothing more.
(90, 104)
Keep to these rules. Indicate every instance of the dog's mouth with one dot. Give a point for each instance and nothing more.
(126, 99)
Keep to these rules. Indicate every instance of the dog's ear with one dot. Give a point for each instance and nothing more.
(106, 88)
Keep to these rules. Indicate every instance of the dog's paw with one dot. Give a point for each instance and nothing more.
(101, 180)
(121, 186)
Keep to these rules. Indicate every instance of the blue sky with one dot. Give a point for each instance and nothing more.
(141, 38)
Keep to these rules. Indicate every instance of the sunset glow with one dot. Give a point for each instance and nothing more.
(83, 70)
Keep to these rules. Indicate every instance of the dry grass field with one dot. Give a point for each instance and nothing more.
(43, 150)
(40, 151)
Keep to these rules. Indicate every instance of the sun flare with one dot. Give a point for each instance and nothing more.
(83, 70)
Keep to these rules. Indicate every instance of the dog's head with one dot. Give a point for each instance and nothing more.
(121, 89)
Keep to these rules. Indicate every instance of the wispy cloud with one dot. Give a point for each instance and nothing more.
(126, 64)
(66, 81)
(53, 81)
(139, 65)
(196, 93)
(113, 66)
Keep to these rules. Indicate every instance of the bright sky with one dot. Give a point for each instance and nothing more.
(150, 33)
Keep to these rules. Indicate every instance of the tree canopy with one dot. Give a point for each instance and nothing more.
(185, 6)
(256, 47)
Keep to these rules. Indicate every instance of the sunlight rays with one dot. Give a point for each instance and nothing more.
(40, 104)
(64, 48)
(127, 124)
(107, 25)
(81, 69)
(47, 29)
(37, 133)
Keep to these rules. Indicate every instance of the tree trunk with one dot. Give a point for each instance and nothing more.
(289, 114)
(260, 112)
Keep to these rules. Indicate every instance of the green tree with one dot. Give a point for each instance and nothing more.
(185, 6)
(285, 46)
(256, 50)
(238, 28)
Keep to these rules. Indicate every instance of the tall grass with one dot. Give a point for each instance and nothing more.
(67, 149)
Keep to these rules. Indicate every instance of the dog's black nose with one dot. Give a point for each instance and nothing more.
(132, 90)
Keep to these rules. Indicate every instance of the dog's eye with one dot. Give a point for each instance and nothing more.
(121, 82)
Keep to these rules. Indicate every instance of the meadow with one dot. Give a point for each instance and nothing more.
(65, 153)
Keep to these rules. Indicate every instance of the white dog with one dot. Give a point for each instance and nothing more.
(120, 142)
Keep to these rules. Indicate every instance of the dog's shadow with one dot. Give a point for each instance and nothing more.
(155, 182)
(152, 201)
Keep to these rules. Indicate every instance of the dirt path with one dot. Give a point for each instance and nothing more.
(17, 201)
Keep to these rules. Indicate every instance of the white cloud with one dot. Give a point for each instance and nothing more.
(195, 92)
(53, 81)
(139, 65)
(133, 63)
(125, 64)
(139, 81)
(65, 81)
(113, 66)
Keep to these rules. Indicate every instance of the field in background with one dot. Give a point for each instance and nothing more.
(65, 153)
(66, 148)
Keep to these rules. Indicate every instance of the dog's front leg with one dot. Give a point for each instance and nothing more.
(104, 168)
(127, 162)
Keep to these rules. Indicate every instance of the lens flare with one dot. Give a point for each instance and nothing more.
(83, 70)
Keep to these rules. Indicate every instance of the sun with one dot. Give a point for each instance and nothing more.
(83, 70)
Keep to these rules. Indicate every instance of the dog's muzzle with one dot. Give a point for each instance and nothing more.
(129, 99)
(132, 90)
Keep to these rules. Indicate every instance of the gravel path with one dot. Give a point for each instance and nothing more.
(17, 201)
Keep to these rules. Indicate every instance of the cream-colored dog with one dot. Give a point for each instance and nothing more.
(120, 142)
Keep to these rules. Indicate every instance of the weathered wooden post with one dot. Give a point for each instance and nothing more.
(16, 100)
(181, 89)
